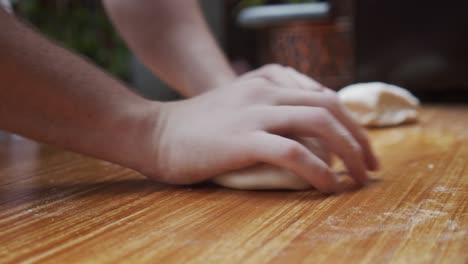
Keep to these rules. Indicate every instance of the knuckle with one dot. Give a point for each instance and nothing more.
(332, 99)
(323, 116)
(262, 88)
(259, 82)
(255, 86)
(273, 67)
(355, 149)
(291, 69)
(352, 148)
(331, 102)
(293, 151)
(322, 171)
(271, 71)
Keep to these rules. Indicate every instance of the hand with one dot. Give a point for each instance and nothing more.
(250, 121)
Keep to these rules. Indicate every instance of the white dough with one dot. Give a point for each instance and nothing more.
(267, 177)
(379, 104)
(261, 177)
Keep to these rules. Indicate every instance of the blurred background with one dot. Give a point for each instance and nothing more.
(420, 45)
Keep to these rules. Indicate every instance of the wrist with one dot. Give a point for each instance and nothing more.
(139, 137)
(208, 82)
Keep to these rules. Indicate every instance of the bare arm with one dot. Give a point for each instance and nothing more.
(172, 39)
(51, 95)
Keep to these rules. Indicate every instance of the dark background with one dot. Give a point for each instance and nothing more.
(421, 45)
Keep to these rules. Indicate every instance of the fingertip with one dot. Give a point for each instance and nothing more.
(377, 164)
(358, 173)
(331, 184)
(363, 178)
(321, 176)
(373, 163)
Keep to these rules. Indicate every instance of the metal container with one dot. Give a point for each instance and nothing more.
(314, 38)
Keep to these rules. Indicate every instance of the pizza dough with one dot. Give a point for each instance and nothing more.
(267, 177)
(379, 104)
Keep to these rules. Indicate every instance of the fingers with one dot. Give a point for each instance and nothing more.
(318, 122)
(328, 100)
(276, 75)
(304, 81)
(357, 131)
(293, 156)
(311, 93)
(285, 77)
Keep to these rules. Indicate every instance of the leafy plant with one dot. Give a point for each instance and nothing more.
(81, 26)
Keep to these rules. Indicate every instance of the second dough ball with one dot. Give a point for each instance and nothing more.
(379, 104)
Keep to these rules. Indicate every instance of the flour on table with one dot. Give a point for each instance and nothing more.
(379, 104)
(268, 177)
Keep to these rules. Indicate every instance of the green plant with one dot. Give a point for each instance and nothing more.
(81, 26)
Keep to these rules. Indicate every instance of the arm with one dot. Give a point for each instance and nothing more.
(172, 39)
(51, 95)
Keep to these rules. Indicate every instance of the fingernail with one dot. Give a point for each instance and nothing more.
(364, 180)
(334, 185)
(373, 163)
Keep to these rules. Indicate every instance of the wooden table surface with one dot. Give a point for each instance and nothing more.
(60, 207)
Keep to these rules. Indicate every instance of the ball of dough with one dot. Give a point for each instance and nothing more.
(268, 177)
(379, 104)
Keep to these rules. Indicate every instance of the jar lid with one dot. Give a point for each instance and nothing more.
(260, 16)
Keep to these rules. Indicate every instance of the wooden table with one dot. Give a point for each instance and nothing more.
(60, 207)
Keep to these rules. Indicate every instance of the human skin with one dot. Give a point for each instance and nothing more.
(56, 97)
(172, 39)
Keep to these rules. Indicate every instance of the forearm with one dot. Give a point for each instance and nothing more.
(172, 39)
(51, 95)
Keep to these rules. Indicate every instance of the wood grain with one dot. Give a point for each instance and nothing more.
(60, 207)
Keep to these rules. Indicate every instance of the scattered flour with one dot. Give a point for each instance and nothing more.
(454, 235)
(404, 219)
(444, 189)
(452, 225)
